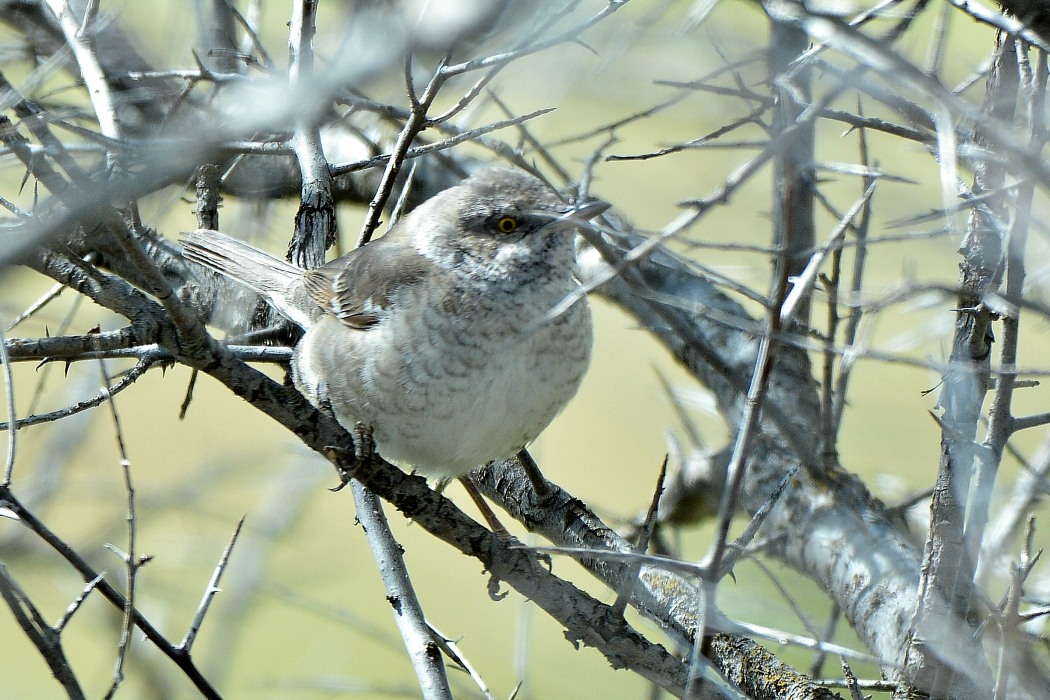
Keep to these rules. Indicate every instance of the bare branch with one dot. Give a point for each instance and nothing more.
(47, 639)
(27, 518)
(415, 632)
(186, 645)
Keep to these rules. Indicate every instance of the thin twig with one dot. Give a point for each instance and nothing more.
(645, 533)
(452, 651)
(186, 645)
(416, 123)
(73, 607)
(127, 380)
(802, 285)
(462, 136)
(12, 424)
(856, 312)
(132, 563)
(45, 638)
(35, 525)
(739, 546)
(826, 635)
(40, 303)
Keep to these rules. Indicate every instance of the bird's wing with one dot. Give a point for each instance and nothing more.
(359, 286)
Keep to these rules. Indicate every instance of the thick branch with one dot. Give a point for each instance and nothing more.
(826, 525)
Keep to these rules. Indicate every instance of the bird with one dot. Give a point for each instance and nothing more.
(455, 338)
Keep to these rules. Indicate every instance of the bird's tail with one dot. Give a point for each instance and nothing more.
(280, 282)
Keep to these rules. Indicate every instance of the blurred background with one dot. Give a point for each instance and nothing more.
(302, 611)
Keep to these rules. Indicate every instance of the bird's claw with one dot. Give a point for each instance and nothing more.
(364, 443)
(347, 462)
(344, 462)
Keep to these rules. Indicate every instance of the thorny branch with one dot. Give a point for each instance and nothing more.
(76, 217)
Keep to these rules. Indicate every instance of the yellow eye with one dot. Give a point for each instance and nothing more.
(506, 224)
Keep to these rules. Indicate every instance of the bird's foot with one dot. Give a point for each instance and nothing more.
(344, 462)
(347, 462)
(483, 507)
(542, 488)
(364, 443)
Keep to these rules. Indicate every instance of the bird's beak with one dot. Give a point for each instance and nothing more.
(578, 214)
(588, 210)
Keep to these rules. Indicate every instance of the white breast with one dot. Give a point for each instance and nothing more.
(447, 393)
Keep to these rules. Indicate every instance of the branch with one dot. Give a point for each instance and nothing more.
(180, 659)
(411, 622)
(315, 222)
(45, 638)
(586, 619)
(827, 525)
(666, 597)
(186, 645)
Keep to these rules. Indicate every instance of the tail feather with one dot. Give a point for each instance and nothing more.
(280, 282)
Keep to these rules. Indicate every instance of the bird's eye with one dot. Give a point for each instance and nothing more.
(506, 224)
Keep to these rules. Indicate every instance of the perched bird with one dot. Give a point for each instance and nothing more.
(442, 337)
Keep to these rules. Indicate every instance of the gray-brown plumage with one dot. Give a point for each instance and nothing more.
(440, 335)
